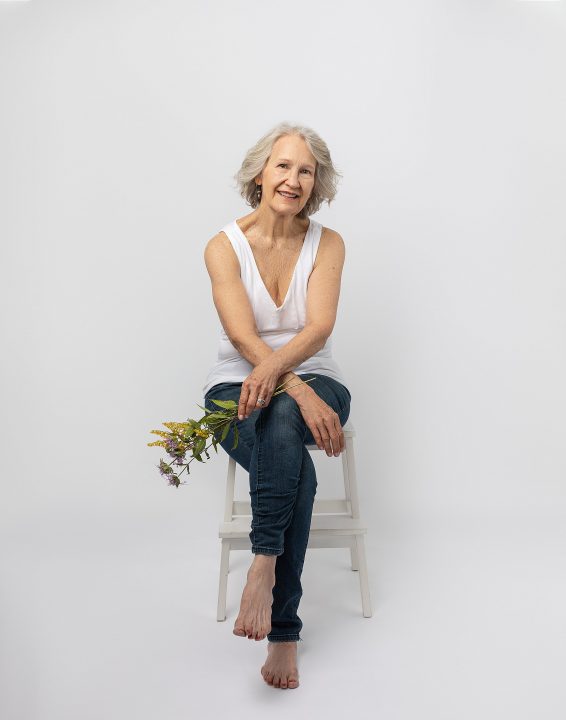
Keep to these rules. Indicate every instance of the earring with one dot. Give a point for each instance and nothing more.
(258, 192)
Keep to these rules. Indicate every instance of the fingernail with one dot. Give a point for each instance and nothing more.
(240, 417)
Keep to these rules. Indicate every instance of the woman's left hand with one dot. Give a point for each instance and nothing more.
(260, 383)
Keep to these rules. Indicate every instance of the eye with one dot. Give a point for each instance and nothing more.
(285, 165)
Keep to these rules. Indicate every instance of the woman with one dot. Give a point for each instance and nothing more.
(275, 277)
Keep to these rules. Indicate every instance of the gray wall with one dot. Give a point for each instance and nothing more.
(122, 124)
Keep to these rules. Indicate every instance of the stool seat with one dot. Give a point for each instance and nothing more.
(335, 522)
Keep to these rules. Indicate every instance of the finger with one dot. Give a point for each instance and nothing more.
(338, 443)
(265, 395)
(334, 433)
(243, 403)
(252, 402)
(252, 405)
(316, 436)
(325, 437)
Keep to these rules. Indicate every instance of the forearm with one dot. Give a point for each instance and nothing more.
(303, 346)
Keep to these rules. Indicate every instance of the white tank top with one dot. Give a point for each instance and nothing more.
(276, 325)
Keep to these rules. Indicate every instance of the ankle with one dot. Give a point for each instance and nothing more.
(263, 563)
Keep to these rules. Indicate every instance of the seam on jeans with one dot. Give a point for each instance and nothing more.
(258, 471)
(278, 551)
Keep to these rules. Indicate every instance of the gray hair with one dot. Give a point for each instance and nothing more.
(326, 175)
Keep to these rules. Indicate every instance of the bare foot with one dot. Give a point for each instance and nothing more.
(254, 618)
(280, 669)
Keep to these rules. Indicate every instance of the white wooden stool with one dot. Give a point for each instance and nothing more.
(335, 522)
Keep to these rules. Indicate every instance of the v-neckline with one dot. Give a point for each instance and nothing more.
(245, 239)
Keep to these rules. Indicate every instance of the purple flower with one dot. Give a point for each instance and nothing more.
(164, 468)
(174, 480)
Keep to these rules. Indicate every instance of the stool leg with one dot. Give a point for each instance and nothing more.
(364, 584)
(223, 583)
(354, 554)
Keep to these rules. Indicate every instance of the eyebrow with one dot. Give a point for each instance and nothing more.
(287, 160)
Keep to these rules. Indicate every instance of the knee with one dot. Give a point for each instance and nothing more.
(282, 417)
(281, 407)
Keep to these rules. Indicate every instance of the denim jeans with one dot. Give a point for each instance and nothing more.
(271, 448)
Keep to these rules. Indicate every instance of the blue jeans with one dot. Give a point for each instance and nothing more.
(271, 447)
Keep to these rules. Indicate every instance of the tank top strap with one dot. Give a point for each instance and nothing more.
(233, 235)
(306, 264)
(312, 240)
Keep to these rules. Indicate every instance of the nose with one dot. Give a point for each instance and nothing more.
(293, 179)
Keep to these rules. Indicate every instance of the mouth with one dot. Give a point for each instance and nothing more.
(288, 196)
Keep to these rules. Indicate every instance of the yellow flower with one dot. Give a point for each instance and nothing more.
(163, 433)
(177, 427)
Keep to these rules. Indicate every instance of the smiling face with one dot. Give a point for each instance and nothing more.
(288, 178)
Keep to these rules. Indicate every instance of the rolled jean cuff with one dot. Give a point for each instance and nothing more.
(258, 550)
(293, 637)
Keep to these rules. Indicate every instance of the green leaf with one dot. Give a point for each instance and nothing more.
(206, 410)
(225, 430)
(228, 404)
(236, 435)
(216, 416)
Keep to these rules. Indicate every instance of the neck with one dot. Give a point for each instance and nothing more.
(274, 228)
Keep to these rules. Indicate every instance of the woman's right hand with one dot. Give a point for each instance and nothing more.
(323, 422)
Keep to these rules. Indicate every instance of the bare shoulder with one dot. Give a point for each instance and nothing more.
(220, 257)
(331, 248)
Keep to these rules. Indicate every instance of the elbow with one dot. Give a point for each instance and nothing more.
(241, 339)
(322, 332)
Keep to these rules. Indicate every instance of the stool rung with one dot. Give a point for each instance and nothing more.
(330, 505)
(338, 524)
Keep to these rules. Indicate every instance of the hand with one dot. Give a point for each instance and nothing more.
(260, 383)
(323, 423)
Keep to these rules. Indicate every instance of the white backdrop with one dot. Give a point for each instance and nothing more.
(121, 127)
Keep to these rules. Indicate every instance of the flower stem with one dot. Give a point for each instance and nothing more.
(291, 386)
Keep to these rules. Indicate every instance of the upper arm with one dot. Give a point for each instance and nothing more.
(228, 291)
(323, 290)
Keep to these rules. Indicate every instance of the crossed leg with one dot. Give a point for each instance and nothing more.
(282, 489)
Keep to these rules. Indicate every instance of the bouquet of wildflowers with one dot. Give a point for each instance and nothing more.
(192, 436)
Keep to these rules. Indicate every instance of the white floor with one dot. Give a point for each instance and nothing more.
(114, 618)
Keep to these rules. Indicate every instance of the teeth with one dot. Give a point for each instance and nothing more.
(287, 194)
